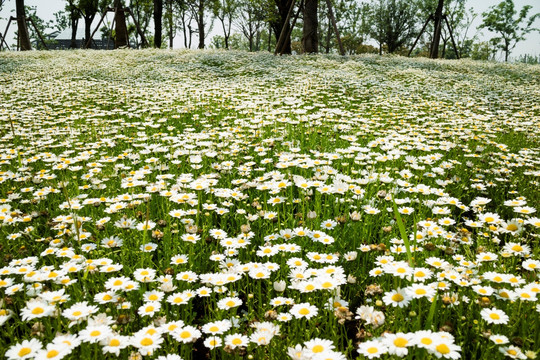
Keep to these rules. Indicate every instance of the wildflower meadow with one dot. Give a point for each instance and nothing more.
(227, 205)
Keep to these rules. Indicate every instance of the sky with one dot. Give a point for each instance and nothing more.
(531, 45)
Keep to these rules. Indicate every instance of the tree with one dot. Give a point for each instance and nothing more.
(310, 38)
(483, 50)
(460, 21)
(250, 20)
(38, 28)
(198, 9)
(280, 23)
(73, 14)
(353, 25)
(393, 23)
(438, 18)
(22, 32)
(88, 10)
(462, 29)
(142, 11)
(169, 20)
(446, 14)
(501, 19)
(121, 32)
(225, 11)
(185, 17)
(158, 17)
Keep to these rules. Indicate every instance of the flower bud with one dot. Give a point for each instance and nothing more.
(280, 286)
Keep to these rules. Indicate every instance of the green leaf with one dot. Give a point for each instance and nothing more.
(403, 233)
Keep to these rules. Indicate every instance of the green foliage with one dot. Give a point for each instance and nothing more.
(61, 20)
(40, 24)
(501, 19)
(529, 59)
(393, 23)
(236, 42)
(483, 50)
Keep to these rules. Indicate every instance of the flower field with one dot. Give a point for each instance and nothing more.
(225, 205)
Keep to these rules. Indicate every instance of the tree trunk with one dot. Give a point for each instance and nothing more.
(171, 25)
(269, 37)
(250, 39)
(74, 17)
(158, 15)
(283, 24)
(88, 19)
(444, 48)
(74, 25)
(121, 38)
(506, 50)
(328, 36)
(334, 24)
(184, 28)
(437, 32)
(258, 39)
(310, 38)
(226, 33)
(200, 23)
(24, 37)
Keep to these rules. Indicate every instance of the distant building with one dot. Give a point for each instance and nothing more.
(62, 40)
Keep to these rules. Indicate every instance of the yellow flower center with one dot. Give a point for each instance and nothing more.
(37, 311)
(317, 349)
(372, 350)
(397, 297)
(147, 342)
(304, 311)
(512, 227)
(24, 351)
(442, 348)
(114, 342)
(400, 342)
(52, 354)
